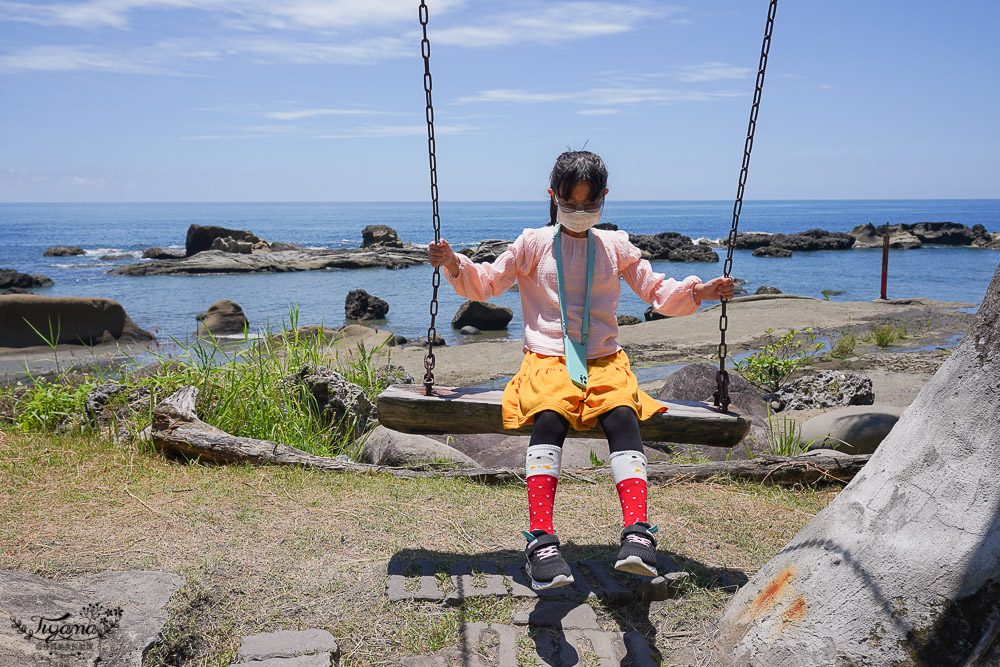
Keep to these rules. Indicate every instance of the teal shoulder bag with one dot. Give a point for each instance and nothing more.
(575, 353)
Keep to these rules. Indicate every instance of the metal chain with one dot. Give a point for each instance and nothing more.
(425, 50)
(722, 377)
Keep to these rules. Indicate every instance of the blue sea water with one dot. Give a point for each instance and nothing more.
(168, 305)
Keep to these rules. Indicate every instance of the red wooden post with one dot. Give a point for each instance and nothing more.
(885, 259)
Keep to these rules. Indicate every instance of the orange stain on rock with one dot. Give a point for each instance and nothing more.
(773, 591)
(794, 614)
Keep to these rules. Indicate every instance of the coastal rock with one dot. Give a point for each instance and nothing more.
(280, 246)
(229, 244)
(659, 246)
(12, 278)
(439, 341)
(392, 448)
(814, 239)
(826, 389)
(16, 290)
(984, 239)
(341, 402)
(943, 233)
(772, 251)
(380, 236)
(692, 253)
(607, 226)
(697, 382)
(276, 261)
(649, 315)
(360, 305)
(628, 320)
(76, 320)
(159, 253)
(200, 237)
(870, 236)
(766, 289)
(482, 315)
(63, 251)
(856, 429)
(224, 317)
(470, 330)
(486, 251)
(752, 240)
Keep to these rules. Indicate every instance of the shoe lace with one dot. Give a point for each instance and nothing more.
(632, 537)
(547, 552)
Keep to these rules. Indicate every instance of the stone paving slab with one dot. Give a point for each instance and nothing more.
(286, 644)
(554, 613)
(428, 584)
(108, 618)
(313, 660)
(467, 585)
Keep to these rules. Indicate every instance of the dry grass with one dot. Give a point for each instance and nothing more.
(264, 549)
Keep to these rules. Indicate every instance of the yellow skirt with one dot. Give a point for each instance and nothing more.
(543, 384)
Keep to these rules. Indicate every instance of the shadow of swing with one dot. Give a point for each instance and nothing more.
(501, 573)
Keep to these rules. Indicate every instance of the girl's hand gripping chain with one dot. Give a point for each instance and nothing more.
(439, 253)
(715, 289)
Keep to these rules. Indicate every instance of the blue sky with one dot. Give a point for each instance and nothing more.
(322, 100)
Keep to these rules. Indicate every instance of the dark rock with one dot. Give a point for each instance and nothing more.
(607, 226)
(660, 245)
(360, 305)
(486, 251)
(380, 236)
(12, 278)
(739, 290)
(439, 341)
(342, 403)
(160, 253)
(697, 382)
(814, 239)
(870, 236)
(229, 244)
(826, 389)
(199, 237)
(224, 317)
(628, 320)
(399, 339)
(943, 233)
(16, 290)
(772, 251)
(470, 330)
(693, 253)
(76, 320)
(649, 315)
(64, 251)
(484, 316)
(764, 289)
(279, 246)
(115, 258)
(752, 240)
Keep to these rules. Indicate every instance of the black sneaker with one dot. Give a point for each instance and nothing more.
(638, 552)
(546, 567)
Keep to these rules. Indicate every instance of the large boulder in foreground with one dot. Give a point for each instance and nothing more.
(223, 318)
(200, 237)
(74, 320)
(392, 448)
(484, 316)
(856, 429)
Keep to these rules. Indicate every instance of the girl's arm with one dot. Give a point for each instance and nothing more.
(478, 282)
(670, 297)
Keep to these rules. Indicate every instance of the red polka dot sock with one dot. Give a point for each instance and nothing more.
(541, 467)
(628, 469)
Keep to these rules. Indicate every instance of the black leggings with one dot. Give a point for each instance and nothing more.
(621, 427)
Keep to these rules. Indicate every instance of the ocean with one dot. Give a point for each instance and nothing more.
(168, 305)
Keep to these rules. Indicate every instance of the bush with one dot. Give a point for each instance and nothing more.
(886, 333)
(778, 359)
(844, 343)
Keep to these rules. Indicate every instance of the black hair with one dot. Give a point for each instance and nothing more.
(573, 168)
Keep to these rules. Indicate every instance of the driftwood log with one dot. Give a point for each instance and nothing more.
(903, 566)
(177, 431)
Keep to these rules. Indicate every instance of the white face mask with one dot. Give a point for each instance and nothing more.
(577, 221)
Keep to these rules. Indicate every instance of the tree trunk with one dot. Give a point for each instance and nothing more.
(903, 567)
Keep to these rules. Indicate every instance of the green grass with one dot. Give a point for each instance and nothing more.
(885, 334)
(844, 344)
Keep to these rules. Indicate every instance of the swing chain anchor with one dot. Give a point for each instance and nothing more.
(722, 377)
(425, 50)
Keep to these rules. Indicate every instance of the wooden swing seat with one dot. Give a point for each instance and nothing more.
(462, 410)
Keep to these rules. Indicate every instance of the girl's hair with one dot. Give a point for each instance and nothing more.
(572, 168)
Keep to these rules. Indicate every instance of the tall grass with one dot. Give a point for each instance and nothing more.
(885, 334)
(245, 388)
(844, 344)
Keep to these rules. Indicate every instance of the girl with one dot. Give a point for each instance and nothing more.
(574, 372)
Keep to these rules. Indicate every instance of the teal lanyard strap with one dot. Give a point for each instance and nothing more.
(557, 250)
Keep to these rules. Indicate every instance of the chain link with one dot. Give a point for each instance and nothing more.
(425, 51)
(722, 377)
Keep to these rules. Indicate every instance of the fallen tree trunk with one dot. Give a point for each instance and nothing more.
(903, 567)
(177, 431)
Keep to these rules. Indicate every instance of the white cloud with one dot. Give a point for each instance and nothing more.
(610, 96)
(313, 113)
(708, 72)
(550, 23)
(68, 58)
(598, 112)
(362, 132)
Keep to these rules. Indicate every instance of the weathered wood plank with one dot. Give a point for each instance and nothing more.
(455, 410)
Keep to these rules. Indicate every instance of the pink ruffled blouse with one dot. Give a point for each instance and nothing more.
(530, 262)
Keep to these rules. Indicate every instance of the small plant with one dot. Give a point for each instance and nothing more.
(885, 334)
(784, 437)
(826, 295)
(596, 462)
(844, 343)
(778, 359)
